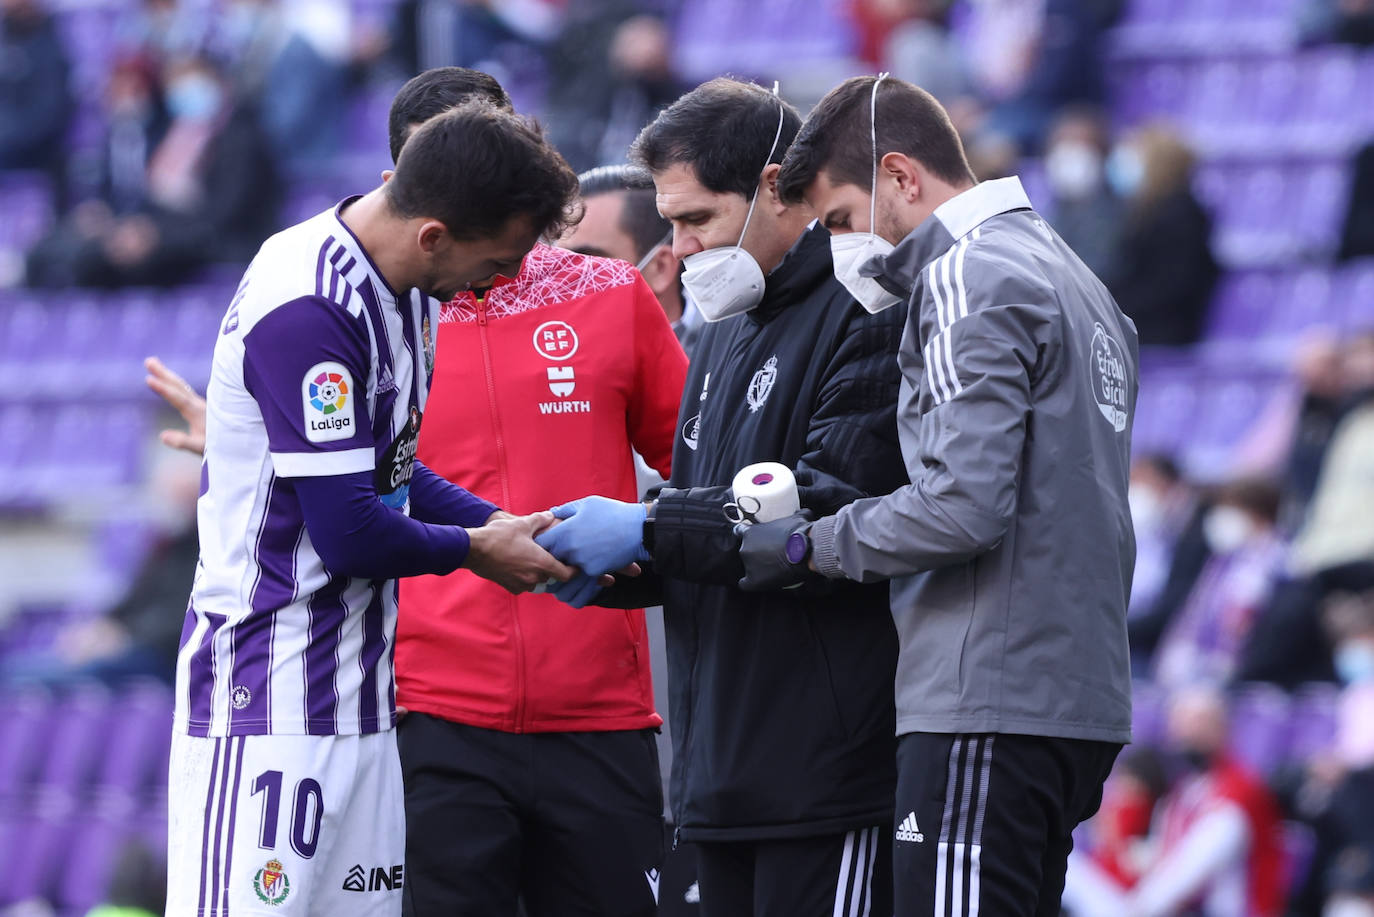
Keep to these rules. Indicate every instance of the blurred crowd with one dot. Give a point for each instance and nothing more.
(211, 110)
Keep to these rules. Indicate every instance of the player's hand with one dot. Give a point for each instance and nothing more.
(504, 552)
(597, 534)
(177, 392)
(763, 552)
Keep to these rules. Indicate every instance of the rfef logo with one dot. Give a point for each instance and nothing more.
(327, 402)
(555, 340)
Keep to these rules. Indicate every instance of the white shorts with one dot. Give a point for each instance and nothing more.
(288, 825)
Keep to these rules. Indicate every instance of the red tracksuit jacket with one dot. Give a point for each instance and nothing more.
(540, 391)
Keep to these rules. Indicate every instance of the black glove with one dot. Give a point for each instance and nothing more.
(763, 552)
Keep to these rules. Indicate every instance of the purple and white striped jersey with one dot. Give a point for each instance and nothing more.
(318, 370)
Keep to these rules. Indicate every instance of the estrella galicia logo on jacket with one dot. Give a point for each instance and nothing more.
(1109, 377)
(691, 432)
(376, 879)
(394, 471)
(427, 341)
(761, 386)
(555, 340)
(561, 380)
(327, 402)
(271, 883)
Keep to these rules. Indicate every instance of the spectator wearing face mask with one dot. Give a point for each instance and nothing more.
(1084, 209)
(1337, 798)
(1207, 636)
(1171, 549)
(211, 193)
(1164, 270)
(1214, 847)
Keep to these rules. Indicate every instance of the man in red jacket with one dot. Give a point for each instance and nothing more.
(529, 755)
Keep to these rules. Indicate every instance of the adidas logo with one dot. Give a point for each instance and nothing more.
(908, 831)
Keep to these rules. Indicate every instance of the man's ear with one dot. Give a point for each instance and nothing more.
(661, 273)
(386, 175)
(899, 168)
(769, 187)
(431, 235)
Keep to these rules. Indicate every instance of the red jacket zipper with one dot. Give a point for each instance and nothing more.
(505, 504)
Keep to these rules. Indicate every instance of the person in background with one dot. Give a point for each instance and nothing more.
(1357, 229)
(1333, 551)
(1205, 640)
(1084, 209)
(1171, 549)
(1118, 836)
(912, 40)
(1216, 845)
(570, 696)
(112, 183)
(782, 704)
(622, 221)
(139, 636)
(34, 103)
(541, 743)
(211, 193)
(1164, 272)
(290, 62)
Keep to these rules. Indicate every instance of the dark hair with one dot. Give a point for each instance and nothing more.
(475, 167)
(723, 130)
(834, 138)
(435, 91)
(1259, 496)
(639, 217)
(1163, 465)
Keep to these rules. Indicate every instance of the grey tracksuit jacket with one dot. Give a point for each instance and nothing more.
(1011, 550)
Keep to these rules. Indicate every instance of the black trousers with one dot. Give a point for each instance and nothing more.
(568, 823)
(984, 823)
(846, 873)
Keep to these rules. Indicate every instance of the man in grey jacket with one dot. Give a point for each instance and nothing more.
(1011, 550)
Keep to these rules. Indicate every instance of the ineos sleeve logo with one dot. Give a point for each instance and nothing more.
(555, 340)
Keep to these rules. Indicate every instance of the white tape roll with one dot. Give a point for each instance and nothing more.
(766, 491)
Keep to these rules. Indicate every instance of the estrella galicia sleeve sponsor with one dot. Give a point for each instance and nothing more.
(306, 364)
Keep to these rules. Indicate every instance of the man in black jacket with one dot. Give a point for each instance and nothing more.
(781, 705)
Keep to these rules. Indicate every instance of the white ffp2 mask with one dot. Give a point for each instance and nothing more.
(851, 250)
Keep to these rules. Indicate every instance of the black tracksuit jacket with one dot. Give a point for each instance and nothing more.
(781, 704)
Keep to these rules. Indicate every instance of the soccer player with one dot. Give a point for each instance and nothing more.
(781, 704)
(1011, 550)
(285, 792)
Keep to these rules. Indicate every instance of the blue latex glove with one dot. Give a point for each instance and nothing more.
(598, 535)
(577, 591)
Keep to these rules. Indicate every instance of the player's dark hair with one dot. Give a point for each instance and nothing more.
(834, 139)
(475, 167)
(639, 217)
(435, 91)
(723, 130)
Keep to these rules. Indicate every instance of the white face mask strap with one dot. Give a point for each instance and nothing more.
(873, 136)
(782, 112)
(649, 255)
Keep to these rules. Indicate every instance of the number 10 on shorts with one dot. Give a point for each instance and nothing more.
(306, 813)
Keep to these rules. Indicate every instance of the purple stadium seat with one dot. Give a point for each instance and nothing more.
(1313, 726)
(89, 866)
(29, 209)
(31, 868)
(1352, 295)
(78, 728)
(1230, 407)
(135, 757)
(24, 734)
(1148, 711)
(1168, 398)
(1243, 306)
(1305, 303)
(1259, 727)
